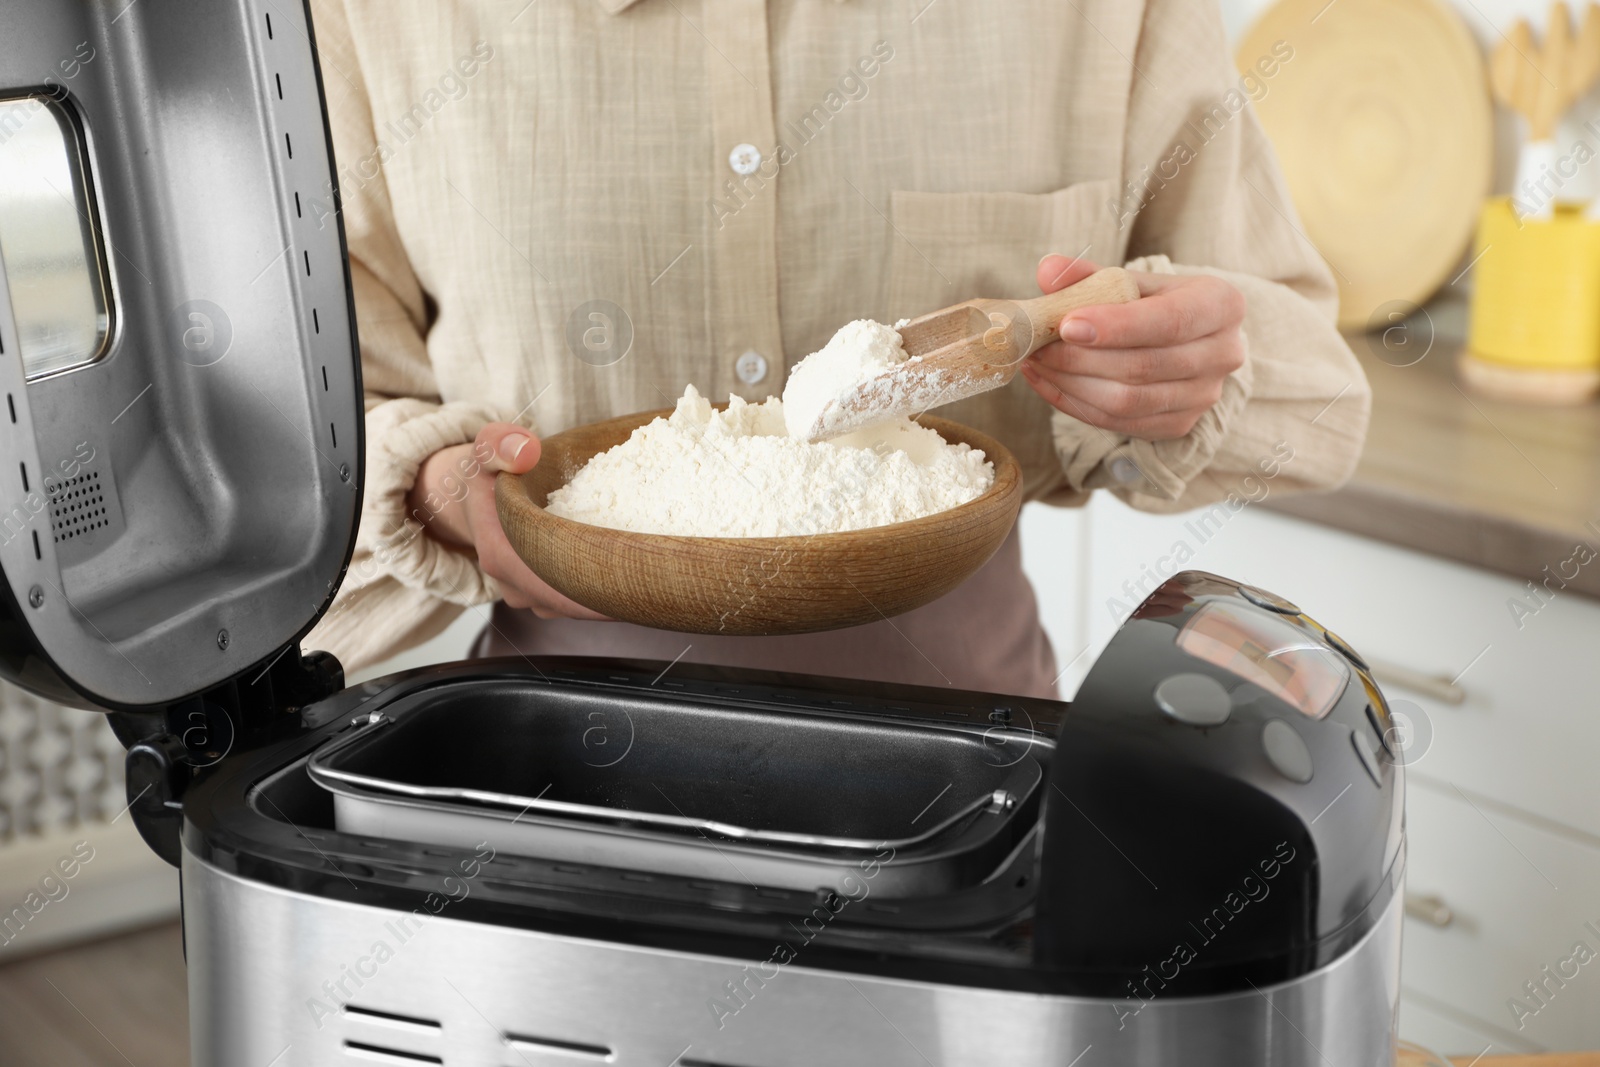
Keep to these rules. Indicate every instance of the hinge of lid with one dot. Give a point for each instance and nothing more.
(166, 752)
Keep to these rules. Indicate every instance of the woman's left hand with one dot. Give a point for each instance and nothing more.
(1149, 369)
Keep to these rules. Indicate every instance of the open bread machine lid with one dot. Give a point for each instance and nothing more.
(180, 400)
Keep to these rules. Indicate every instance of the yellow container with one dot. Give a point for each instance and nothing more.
(1536, 291)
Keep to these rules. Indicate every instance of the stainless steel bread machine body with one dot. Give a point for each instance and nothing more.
(553, 861)
(447, 943)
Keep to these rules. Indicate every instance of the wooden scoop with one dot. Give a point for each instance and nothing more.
(964, 350)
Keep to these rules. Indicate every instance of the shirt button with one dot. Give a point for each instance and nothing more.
(1125, 470)
(750, 367)
(744, 159)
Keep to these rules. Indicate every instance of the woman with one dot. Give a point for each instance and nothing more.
(568, 210)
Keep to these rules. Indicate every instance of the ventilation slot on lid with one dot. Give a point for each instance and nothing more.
(77, 506)
(394, 1019)
(360, 1050)
(523, 1043)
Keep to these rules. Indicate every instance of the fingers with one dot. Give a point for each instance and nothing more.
(1153, 413)
(1207, 357)
(502, 446)
(1124, 401)
(1150, 369)
(549, 604)
(1173, 313)
(1057, 272)
(520, 586)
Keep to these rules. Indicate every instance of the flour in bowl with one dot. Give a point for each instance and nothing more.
(738, 473)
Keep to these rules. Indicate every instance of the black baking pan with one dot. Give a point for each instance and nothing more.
(766, 795)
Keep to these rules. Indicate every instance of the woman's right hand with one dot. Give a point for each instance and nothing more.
(453, 499)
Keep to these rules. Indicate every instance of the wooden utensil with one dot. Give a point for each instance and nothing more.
(1586, 54)
(1511, 74)
(1554, 91)
(1541, 82)
(964, 350)
(1533, 316)
(751, 585)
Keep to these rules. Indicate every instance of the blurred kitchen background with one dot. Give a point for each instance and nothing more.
(1457, 560)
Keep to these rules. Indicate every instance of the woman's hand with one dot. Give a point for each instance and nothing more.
(453, 499)
(1148, 369)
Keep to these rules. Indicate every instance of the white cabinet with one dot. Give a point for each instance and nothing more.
(1517, 759)
(1521, 898)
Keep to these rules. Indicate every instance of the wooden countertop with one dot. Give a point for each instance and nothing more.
(1554, 1059)
(1506, 487)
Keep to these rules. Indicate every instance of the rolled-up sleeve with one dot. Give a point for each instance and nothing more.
(402, 587)
(1208, 197)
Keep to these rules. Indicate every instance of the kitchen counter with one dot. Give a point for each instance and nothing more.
(1554, 1059)
(1507, 487)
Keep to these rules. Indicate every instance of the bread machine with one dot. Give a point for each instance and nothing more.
(567, 861)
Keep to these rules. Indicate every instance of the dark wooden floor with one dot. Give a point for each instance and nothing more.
(113, 1003)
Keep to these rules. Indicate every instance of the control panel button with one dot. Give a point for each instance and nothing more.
(1345, 650)
(1194, 699)
(1271, 601)
(1286, 751)
(1364, 746)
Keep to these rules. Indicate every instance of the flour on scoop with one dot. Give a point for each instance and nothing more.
(738, 473)
(857, 353)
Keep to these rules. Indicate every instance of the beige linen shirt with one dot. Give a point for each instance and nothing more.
(725, 182)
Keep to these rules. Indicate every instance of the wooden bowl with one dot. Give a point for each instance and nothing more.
(751, 585)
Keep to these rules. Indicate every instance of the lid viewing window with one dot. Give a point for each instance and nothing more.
(1263, 649)
(49, 240)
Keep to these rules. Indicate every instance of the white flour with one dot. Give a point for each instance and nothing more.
(856, 364)
(859, 352)
(738, 473)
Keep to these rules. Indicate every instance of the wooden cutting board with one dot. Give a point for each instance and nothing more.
(1382, 122)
